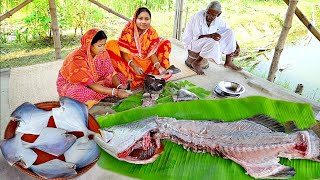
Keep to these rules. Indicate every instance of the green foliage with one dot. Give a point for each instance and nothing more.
(170, 90)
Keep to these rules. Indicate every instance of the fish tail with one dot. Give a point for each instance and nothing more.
(285, 173)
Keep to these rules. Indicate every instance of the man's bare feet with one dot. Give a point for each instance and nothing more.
(232, 66)
(197, 67)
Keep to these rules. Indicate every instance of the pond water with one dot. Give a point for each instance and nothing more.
(299, 64)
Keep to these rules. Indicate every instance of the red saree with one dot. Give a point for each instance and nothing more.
(81, 69)
(139, 49)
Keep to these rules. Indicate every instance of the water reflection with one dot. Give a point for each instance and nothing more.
(299, 64)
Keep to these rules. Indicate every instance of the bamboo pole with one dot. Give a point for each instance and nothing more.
(109, 10)
(306, 22)
(279, 48)
(55, 29)
(14, 10)
(177, 20)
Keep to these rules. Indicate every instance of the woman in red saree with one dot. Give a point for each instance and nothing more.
(140, 50)
(87, 74)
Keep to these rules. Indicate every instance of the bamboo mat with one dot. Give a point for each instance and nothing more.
(37, 83)
(34, 84)
(185, 71)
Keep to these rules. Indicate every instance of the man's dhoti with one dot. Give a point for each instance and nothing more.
(212, 49)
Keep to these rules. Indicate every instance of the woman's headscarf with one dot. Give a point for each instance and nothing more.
(78, 67)
(142, 46)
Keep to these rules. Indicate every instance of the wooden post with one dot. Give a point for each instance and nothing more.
(109, 10)
(55, 29)
(306, 22)
(282, 39)
(12, 11)
(299, 89)
(177, 20)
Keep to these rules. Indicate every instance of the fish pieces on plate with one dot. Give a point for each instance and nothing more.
(52, 143)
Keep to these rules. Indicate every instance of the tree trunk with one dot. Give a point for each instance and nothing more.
(282, 39)
(12, 11)
(55, 29)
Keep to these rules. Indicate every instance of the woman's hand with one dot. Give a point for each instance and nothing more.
(137, 69)
(216, 36)
(162, 70)
(121, 93)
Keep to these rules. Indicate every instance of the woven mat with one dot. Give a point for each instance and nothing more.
(34, 84)
(37, 83)
(185, 71)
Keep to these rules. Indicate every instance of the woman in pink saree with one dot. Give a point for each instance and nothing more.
(87, 74)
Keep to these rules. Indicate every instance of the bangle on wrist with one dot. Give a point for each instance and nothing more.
(118, 86)
(112, 92)
(130, 61)
(154, 65)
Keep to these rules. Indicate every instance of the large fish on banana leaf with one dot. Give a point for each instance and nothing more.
(255, 143)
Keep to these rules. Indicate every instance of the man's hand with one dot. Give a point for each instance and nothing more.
(216, 36)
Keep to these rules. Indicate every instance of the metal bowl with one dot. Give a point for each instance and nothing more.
(231, 87)
(221, 93)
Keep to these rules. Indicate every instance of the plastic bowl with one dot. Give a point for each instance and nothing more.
(44, 157)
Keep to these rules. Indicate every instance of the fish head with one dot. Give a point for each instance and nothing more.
(153, 84)
(136, 142)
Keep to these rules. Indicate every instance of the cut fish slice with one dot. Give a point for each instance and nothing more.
(82, 153)
(14, 152)
(54, 169)
(31, 119)
(72, 115)
(54, 141)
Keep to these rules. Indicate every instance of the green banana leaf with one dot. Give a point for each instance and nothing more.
(170, 89)
(177, 163)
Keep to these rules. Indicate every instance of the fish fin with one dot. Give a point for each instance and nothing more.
(290, 126)
(267, 122)
(316, 128)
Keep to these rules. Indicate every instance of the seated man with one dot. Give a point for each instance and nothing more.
(207, 36)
